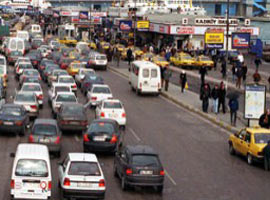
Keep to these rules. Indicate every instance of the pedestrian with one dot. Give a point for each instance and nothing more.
(183, 80)
(239, 76)
(233, 104)
(167, 75)
(204, 96)
(214, 95)
(244, 72)
(264, 120)
(222, 97)
(256, 77)
(117, 57)
(129, 55)
(266, 153)
(233, 72)
(215, 62)
(162, 70)
(257, 62)
(224, 69)
(203, 72)
(168, 56)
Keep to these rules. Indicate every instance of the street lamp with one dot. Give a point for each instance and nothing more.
(134, 33)
(227, 37)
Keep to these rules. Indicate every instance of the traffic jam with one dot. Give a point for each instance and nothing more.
(69, 80)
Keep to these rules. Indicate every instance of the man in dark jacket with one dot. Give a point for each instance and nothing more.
(264, 121)
(266, 153)
(183, 80)
(204, 96)
(221, 97)
(203, 72)
(224, 68)
(233, 104)
(129, 55)
(215, 95)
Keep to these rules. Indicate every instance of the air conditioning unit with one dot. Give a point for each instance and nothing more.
(185, 21)
(247, 22)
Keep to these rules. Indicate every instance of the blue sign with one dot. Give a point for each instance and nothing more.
(125, 25)
(240, 40)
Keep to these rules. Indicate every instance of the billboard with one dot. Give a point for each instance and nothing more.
(240, 40)
(83, 15)
(125, 25)
(142, 25)
(214, 40)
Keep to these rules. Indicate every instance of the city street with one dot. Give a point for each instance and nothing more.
(193, 152)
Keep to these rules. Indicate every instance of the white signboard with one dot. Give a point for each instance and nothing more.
(215, 22)
(255, 96)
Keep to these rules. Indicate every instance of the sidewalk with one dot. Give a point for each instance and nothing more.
(191, 101)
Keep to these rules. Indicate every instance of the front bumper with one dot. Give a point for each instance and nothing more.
(84, 194)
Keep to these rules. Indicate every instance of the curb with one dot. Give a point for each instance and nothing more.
(190, 108)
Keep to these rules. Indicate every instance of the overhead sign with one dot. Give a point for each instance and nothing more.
(255, 96)
(240, 40)
(215, 21)
(214, 40)
(142, 25)
(83, 14)
(159, 28)
(125, 25)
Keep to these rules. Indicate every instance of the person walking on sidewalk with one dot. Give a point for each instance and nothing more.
(162, 70)
(264, 120)
(224, 69)
(257, 62)
(203, 72)
(167, 76)
(129, 55)
(233, 104)
(204, 96)
(233, 72)
(215, 62)
(117, 57)
(183, 80)
(222, 97)
(214, 95)
(239, 76)
(244, 72)
(266, 154)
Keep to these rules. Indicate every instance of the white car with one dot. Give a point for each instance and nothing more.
(54, 44)
(29, 72)
(44, 52)
(55, 88)
(56, 72)
(80, 175)
(81, 74)
(99, 93)
(67, 80)
(36, 88)
(22, 59)
(29, 101)
(112, 109)
(62, 97)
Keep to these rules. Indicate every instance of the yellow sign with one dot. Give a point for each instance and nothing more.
(142, 24)
(214, 38)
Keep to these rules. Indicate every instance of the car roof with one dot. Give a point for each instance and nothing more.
(72, 104)
(31, 84)
(82, 157)
(112, 100)
(45, 121)
(255, 130)
(59, 93)
(100, 85)
(140, 149)
(32, 151)
(65, 76)
(60, 85)
(143, 63)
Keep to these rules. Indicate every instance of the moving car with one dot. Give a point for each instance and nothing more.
(21, 67)
(29, 101)
(89, 80)
(160, 61)
(29, 72)
(204, 61)
(74, 67)
(183, 60)
(56, 72)
(80, 176)
(13, 57)
(60, 98)
(98, 93)
(30, 79)
(139, 166)
(68, 41)
(97, 61)
(64, 62)
(49, 68)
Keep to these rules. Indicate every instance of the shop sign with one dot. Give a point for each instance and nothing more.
(125, 25)
(214, 40)
(65, 13)
(215, 21)
(159, 28)
(142, 25)
(183, 30)
(99, 14)
(240, 40)
(83, 15)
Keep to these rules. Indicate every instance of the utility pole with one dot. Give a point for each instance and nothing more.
(227, 38)
(134, 33)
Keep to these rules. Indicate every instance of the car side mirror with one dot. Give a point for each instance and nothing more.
(12, 155)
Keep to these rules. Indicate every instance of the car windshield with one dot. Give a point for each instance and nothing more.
(44, 129)
(112, 105)
(25, 97)
(84, 168)
(31, 167)
(62, 89)
(73, 110)
(66, 98)
(66, 80)
(103, 90)
(101, 127)
(31, 88)
(262, 138)
(10, 111)
(30, 73)
(16, 53)
(145, 160)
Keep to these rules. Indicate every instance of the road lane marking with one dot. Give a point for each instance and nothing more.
(134, 134)
(170, 178)
(77, 138)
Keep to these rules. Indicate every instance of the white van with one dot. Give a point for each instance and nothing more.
(23, 35)
(31, 173)
(16, 44)
(3, 63)
(35, 29)
(144, 77)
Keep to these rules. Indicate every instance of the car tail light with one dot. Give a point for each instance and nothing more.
(66, 182)
(42, 67)
(18, 123)
(114, 139)
(18, 70)
(49, 185)
(31, 138)
(94, 98)
(162, 173)
(123, 115)
(33, 107)
(101, 183)
(12, 184)
(57, 141)
(74, 86)
(86, 138)
(102, 114)
(128, 171)
(40, 97)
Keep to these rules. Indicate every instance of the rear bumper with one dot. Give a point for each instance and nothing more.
(98, 66)
(99, 147)
(72, 127)
(11, 128)
(149, 91)
(84, 194)
(145, 180)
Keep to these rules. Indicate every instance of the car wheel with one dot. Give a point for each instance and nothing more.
(231, 149)
(160, 189)
(249, 159)
(115, 170)
(123, 183)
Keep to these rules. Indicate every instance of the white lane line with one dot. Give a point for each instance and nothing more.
(134, 134)
(77, 138)
(169, 176)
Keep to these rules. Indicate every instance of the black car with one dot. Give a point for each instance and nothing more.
(43, 64)
(72, 116)
(13, 118)
(35, 57)
(48, 71)
(89, 80)
(103, 135)
(46, 131)
(36, 43)
(139, 166)
(13, 57)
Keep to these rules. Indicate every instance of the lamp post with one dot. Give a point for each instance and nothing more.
(227, 37)
(134, 33)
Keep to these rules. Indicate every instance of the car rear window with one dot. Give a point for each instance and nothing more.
(20, 45)
(31, 73)
(44, 129)
(101, 58)
(145, 73)
(10, 111)
(2, 61)
(103, 90)
(31, 167)
(26, 66)
(145, 160)
(154, 73)
(84, 72)
(25, 97)
(66, 80)
(84, 169)
(62, 89)
(66, 98)
(262, 138)
(112, 105)
(31, 88)
(73, 110)
(101, 127)
(16, 53)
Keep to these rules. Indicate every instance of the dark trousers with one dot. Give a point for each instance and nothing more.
(233, 117)
(183, 86)
(221, 102)
(129, 61)
(166, 85)
(202, 79)
(266, 163)
(205, 104)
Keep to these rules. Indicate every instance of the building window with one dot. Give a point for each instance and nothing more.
(218, 9)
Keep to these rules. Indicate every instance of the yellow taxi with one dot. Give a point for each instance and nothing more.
(183, 60)
(249, 142)
(160, 61)
(105, 45)
(137, 51)
(68, 41)
(74, 67)
(91, 44)
(204, 61)
(148, 56)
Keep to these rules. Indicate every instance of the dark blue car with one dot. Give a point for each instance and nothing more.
(89, 80)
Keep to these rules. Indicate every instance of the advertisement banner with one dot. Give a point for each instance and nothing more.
(255, 96)
(125, 25)
(214, 40)
(240, 40)
(83, 15)
(142, 25)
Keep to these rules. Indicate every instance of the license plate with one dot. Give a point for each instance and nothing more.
(74, 123)
(82, 184)
(99, 138)
(146, 172)
(31, 185)
(8, 123)
(45, 140)
(113, 115)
